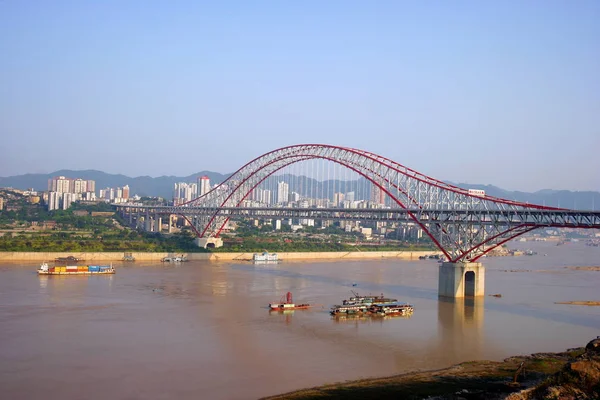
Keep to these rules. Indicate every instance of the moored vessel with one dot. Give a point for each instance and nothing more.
(68, 259)
(349, 309)
(372, 306)
(75, 269)
(287, 303)
(265, 256)
(391, 309)
(181, 258)
(367, 300)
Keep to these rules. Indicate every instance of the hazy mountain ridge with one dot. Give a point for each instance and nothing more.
(163, 186)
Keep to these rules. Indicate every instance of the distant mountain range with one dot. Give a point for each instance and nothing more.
(163, 186)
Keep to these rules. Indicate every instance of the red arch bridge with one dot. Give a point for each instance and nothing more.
(464, 224)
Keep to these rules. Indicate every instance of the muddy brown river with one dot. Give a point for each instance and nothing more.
(201, 330)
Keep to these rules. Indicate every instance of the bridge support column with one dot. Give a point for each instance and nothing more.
(209, 242)
(461, 279)
(147, 224)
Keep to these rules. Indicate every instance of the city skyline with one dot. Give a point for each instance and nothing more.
(504, 94)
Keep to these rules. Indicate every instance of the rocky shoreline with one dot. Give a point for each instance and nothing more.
(573, 374)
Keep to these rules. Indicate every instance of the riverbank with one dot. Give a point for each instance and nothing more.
(146, 256)
(573, 374)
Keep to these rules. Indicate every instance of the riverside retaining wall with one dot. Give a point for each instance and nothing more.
(143, 256)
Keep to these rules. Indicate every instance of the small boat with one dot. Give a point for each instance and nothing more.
(287, 303)
(75, 269)
(265, 256)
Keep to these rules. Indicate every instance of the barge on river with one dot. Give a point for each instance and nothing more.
(371, 305)
(75, 269)
(382, 310)
(367, 300)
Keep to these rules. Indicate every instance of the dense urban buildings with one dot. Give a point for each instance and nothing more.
(115, 195)
(184, 192)
(63, 191)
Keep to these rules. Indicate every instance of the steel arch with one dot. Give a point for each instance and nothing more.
(459, 238)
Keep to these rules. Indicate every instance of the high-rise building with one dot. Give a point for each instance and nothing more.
(68, 199)
(338, 198)
(266, 197)
(125, 192)
(1, 203)
(79, 185)
(350, 197)
(54, 201)
(262, 196)
(91, 186)
(283, 190)
(59, 184)
(294, 196)
(377, 195)
(62, 184)
(184, 192)
(203, 185)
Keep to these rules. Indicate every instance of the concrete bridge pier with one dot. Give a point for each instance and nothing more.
(461, 279)
(209, 242)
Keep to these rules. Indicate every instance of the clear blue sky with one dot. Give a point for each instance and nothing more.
(499, 92)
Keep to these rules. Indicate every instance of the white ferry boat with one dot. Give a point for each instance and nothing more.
(265, 256)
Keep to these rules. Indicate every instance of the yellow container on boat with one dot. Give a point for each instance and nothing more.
(83, 268)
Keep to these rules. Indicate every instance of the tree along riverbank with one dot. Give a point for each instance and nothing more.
(573, 374)
(157, 256)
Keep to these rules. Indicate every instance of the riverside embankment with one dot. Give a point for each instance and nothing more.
(145, 256)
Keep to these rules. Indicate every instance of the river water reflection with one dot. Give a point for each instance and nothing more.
(202, 330)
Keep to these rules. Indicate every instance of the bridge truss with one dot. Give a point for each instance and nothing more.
(463, 224)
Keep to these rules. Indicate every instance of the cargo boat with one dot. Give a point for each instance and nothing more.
(75, 269)
(349, 309)
(382, 310)
(370, 305)
(367, 300)
(287, 303)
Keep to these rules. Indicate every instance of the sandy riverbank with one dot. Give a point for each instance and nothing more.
(144, 256)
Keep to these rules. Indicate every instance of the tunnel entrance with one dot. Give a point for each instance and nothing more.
(469, 284)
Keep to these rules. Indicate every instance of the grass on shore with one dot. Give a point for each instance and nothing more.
(471, 380)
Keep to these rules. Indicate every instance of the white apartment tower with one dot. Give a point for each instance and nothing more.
(204, 185)
(59, 184)
(283, 191)
(79, 186)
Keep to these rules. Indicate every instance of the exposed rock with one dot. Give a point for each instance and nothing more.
(579, 379)
(593, 346)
